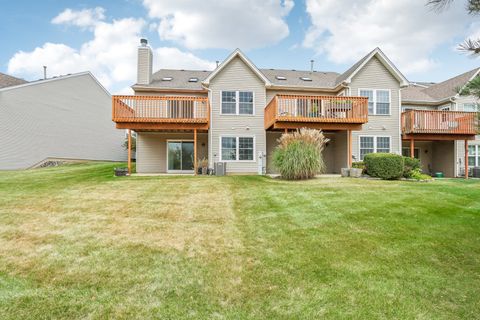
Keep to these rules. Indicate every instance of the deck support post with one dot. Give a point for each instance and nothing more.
(412, 148)
(349, 146)
(195, 151)
(129, 161)
(466, 159)
(286, 130)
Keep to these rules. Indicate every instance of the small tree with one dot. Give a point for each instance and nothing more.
(134, 143)
(299, 154)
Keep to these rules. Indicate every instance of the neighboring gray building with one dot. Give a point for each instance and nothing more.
(61, 118)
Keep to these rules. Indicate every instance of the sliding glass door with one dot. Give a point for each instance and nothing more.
(180, 156)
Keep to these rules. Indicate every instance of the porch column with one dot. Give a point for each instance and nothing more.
(129, 161)
(412, 148)
(349, 146)
(195, 150)
(466, 159)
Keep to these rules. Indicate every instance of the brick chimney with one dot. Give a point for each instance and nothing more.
(145, 61)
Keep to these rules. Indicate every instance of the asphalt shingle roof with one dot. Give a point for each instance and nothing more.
(9, 81)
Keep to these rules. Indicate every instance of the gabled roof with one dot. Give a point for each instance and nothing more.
(439, 92)
(8, 81)
(237, 53)
(319, 79)
(57, 78)
(347, 76)
(180, 80)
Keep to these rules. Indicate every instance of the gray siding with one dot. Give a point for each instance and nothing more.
(374, 75)
(67, 118)
(237, 76)
(152, 149)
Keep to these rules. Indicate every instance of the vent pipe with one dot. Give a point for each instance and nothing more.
(44, 72)
(311, 65)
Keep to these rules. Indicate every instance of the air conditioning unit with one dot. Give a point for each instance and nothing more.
(220, 168)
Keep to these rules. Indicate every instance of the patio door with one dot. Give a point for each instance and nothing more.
(180, 156)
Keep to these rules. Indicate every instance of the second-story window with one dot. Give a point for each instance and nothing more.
(237, 102)
(378, 101)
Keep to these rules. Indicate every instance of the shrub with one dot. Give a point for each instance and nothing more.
(359, 165)
(410, 164)
(418, 175)
(299, 154)
(387, 166)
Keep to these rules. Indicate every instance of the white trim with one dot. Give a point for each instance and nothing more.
(374, 144)
(166, 158)
(234, 54)
(237, 147)
(237, 103)
(386, 62)
(55, 79)
(375, 100)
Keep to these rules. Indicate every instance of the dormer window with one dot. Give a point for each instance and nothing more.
(193, 80)
(306, 78)
(167, 79)
(280, 78)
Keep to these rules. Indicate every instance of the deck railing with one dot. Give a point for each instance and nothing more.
(328, 109)
(153, 109)
(439, 122)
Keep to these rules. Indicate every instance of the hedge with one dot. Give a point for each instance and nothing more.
(387, 166)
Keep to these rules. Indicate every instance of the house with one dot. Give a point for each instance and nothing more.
(61, 118)
(236, 113)
(439, 123)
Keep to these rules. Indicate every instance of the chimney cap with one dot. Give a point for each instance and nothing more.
(143, 42)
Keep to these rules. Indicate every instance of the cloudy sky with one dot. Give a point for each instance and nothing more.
(102, 36)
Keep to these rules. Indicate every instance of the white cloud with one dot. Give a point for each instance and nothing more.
(221, 24)
(407, 31)
(111, 55)
(82, 18)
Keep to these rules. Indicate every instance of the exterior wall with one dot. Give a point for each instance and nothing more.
(67, 118)
(334, 155)
(237, 76)
(425, 152)
(272, 93)
(152, 149)
(374, 75)
(443, 157)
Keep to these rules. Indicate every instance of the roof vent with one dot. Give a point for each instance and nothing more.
(193, 80)
(306, 79)
(167, 79)
(280, 78)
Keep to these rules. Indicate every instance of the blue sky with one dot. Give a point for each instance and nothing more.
(102, 36)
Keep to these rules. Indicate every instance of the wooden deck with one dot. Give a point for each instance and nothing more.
(285, 112)
(160, 112)
(438, 125)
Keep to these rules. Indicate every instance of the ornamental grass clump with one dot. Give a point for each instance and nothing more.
(299, 154)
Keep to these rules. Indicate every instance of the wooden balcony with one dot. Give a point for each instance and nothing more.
(160, 112)
(285, 112)
(439, 125)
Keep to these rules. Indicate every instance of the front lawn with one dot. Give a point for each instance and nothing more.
(76, 242)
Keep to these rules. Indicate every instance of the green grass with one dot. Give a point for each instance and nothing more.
(76, 242)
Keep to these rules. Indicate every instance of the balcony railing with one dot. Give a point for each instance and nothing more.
(319, 109)
(160, 109)
(439, 122)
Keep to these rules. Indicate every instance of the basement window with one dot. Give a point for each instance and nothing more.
(306, 79)
(193, 80)
(280, 78)
(167, 79)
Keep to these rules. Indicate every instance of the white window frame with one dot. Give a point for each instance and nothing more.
(237, 146)
(237, 103)
(374, 144)
(476, 155)
(471, 103)
(375, 100)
